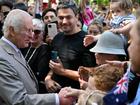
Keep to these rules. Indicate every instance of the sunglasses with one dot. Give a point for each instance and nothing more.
(5, 13)
(37, 32)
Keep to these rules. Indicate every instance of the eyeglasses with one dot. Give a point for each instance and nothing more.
(37, 32)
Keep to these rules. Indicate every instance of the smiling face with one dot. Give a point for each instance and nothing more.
(67, 21)
(48, 17)
(37, 37)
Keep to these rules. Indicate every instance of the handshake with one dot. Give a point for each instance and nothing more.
(66, 100)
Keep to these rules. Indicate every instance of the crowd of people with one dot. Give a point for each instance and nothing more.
(69, 55)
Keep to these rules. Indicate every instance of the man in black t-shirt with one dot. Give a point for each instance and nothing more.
(71, 51)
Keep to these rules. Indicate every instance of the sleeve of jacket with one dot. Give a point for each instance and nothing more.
(13, 91)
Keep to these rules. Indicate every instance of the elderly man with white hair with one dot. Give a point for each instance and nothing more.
(18, 85)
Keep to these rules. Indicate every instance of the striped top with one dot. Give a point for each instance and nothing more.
(118, 20)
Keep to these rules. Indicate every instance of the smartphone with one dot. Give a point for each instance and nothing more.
(52, 29)
(54, 55)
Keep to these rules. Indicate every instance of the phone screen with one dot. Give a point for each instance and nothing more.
(54, 55)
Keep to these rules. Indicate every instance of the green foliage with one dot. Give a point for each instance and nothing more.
(138, 1)
(77, 1)
(99, 2)
(106, 2)
(103, 2)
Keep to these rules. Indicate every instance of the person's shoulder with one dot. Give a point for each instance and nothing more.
(82, 33)
(4, 47)
(45, 46)
(60, 34)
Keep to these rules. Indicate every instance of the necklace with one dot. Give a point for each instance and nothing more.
(31, 54)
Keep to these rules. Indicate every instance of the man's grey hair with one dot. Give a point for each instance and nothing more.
(14, 19)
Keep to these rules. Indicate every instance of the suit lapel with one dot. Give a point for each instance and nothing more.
(11, 51)
(18, 57)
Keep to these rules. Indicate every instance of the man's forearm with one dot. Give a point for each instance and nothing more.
(71, 74)
(49, 75)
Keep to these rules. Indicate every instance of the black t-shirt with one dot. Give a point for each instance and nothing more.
(73, 54)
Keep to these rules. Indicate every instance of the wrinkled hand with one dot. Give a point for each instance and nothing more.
(71, 92)
(52, 86)
(65, 100)
(57, 67)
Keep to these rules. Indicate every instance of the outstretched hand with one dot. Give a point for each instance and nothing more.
(65, 100)
(71, 92)
(89, 39)
(117, 63)
(84, 73)
(120, 64)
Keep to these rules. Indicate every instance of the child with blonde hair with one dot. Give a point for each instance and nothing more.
(101, 80)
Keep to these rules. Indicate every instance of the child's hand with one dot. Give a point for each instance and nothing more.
(116, 63)
(116, 31)
(124, 23)
(84, 73)
(123, 65)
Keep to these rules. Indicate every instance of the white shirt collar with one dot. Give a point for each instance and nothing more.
(10, 43)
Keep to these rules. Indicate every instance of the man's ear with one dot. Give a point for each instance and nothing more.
(11, 31)
(77, 17)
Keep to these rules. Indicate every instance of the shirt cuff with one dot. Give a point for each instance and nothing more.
(57, 99)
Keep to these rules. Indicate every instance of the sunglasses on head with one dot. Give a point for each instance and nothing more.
(5, 13)
(37, 31)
